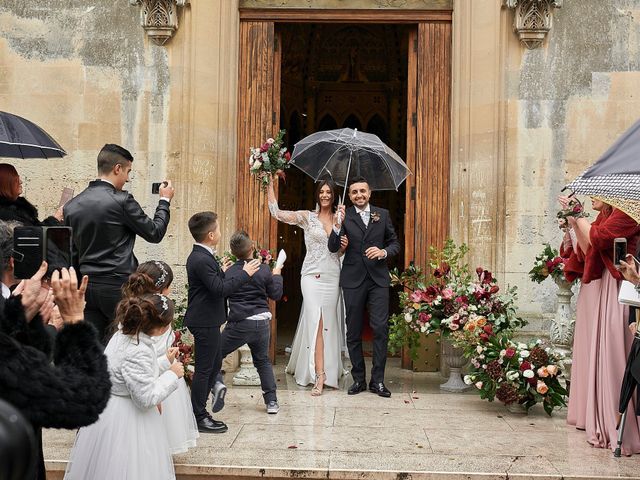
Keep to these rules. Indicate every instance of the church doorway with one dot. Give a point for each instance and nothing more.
(337, 76)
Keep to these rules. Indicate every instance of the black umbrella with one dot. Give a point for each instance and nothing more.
(20, 138)
(630, 383)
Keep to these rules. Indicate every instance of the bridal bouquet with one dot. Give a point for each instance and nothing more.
(184, 342)
(265, 256)
(574, 209)
(547, 264)
(517, 373)
(449, 300)
(272, 158)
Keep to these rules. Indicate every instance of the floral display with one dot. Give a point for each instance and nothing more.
(574, 209)
(449, 300)
(272, 158)
(265, 256)
(184, 342)
(547, 264)
(520, 373)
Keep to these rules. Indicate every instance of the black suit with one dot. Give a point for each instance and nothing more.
(105, 224)
(365, 283)
(206, 312)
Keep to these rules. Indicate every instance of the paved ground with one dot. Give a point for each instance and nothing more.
(417, 433)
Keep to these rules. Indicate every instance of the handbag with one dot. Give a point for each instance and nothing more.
(628, 295)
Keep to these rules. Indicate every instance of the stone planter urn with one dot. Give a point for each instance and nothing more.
(563, 324)
(247, 375)
(454, 359)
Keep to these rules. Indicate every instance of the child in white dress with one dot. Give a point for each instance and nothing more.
(177, 415)
(128, 441)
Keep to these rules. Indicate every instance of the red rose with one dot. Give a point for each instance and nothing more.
(423, 317)
(525, 366)
(510, 352)
(178, 336)
(479, 270)
(484, 337)
(494, 289)
(488, 329)
(287, 156)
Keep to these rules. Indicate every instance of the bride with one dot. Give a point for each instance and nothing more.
(316, 351)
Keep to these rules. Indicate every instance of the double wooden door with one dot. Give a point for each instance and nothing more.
(428, 130)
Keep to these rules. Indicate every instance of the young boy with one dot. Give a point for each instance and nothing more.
(249, 316)
(207, 311)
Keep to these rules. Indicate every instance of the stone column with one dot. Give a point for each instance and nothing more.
(562, 325)
(247, 375)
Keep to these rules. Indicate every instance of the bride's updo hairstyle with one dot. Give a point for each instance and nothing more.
(150, 277)
(334, 193)
(144, 314)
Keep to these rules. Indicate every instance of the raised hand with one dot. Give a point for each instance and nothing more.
(251, 267)
(34, 294)
(166, 190)
(69, 297)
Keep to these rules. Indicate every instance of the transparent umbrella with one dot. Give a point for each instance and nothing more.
(344, 154)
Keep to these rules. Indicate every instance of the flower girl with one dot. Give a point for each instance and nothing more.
(128, 441)
(177, 414)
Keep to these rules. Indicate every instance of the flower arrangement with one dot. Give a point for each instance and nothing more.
(547, 264)
(184, 342)
(272, 158)
(265, 256)
(574, 209)
(449, 300)
(517, 373)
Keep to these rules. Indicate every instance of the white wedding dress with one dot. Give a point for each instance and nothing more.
(128, 442)
(320, 282)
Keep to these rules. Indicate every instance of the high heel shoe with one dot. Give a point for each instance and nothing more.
(316, 391)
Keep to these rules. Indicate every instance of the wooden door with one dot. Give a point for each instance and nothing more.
(428, 155)
(258, 119)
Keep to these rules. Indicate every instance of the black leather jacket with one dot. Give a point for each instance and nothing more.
(105, 224)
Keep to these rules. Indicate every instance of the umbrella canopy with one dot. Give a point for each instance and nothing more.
(20, 138)
(617, 173)
(345, 153)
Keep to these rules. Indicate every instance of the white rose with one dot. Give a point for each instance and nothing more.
(408, 317)
(484, 365)
(479, 349)
(528, 374)
(424, 328)
(524, 353)
(479, 385)
(468, 380)
(481, 357)
(191, 368)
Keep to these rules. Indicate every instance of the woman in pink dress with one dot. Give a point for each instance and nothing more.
(602, 338)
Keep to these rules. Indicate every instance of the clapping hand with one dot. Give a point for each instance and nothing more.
(69, 297)
(34, 293)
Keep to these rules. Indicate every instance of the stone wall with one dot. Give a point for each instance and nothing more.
(86, 73)
(565, 104)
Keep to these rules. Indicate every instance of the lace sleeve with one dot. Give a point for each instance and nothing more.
(299, 218)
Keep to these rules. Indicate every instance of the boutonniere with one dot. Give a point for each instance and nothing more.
(375, 217)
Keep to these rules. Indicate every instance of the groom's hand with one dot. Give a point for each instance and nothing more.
(338, 217)
(375, 253)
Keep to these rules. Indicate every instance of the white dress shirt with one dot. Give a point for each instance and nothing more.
(207, 247)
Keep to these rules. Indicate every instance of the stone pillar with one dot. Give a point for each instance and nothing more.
(563, 324)
(247, 375)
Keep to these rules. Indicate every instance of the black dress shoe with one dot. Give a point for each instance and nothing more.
(356, 388)
(209, 425)
(379, 389)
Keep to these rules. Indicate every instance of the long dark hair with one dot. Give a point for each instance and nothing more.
(334, 192)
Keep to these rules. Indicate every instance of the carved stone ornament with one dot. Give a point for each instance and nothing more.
(533, 19)
(159, 18)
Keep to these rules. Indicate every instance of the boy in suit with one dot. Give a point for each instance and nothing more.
(249, 316)
(207, 311)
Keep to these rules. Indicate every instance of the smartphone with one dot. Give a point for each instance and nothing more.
(32, 245)
(155, 187)
(67, 194)
(619, 250)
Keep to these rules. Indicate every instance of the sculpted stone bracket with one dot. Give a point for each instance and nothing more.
(533, 19)
(159, 18)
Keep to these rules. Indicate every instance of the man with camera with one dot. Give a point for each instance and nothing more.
(106, 220)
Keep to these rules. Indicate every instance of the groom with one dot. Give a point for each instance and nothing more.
(365, 280)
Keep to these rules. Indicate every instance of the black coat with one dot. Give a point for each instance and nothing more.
(253, 297)
(208, 289)
(105, 224)
(20, 210)
(379, 233)
(71, 392)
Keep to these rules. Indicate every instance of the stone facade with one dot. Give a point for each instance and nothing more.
(523, 121)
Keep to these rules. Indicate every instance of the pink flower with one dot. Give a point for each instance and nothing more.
(270, 141)
(454, 326)
(552, 369)
(543, 372)
(510, 352)
(541, 387)
(447, 293)
(423, 318)
(416, 296)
